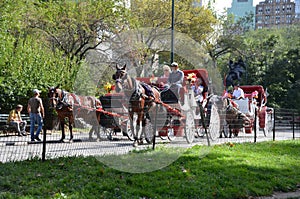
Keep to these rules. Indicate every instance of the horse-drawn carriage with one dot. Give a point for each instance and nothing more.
(164, 114)
(250, 114)
(113, 116)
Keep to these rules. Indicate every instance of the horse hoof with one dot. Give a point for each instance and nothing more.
(61, 140)
(135, 144)
(71, 140)
(140, 142)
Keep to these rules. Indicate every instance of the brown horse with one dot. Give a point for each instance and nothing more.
(234, 117)
(70, 106)
(141, 99)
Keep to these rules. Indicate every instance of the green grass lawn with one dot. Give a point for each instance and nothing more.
(227, 171)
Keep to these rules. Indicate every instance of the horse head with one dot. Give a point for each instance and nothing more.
(123, 81)
(53, 95)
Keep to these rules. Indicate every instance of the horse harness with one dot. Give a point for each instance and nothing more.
(62, 100)
(136, 91)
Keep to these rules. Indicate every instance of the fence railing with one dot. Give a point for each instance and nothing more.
(89, 141)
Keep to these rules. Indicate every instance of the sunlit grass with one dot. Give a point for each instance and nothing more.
(226, 171)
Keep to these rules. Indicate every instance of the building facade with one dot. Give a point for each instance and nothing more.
(275, 13)
(241, 8)
(297, 9)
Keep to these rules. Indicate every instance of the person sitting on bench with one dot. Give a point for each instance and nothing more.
(14, 119)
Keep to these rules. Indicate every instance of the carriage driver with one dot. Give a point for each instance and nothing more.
(175, 79)
(238, 93)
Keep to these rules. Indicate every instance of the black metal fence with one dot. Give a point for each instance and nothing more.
(98, 140)
(286, 120)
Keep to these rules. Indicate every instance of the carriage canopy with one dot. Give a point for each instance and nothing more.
(249, 89)
(200, 73)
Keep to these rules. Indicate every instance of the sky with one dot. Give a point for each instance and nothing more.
(221, 4)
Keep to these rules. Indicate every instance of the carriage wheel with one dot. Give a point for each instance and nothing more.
(266, 129)
(214, 124)
(200, 131)
(127, 130)
(256, 126)
(171, 134)
(149, 132)
(268, 124)
(189, 127)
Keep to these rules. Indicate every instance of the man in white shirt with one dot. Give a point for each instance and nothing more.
(238, 93)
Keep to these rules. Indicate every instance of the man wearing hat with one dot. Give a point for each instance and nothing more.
(35, 109)
(14, 119)
(175, 79)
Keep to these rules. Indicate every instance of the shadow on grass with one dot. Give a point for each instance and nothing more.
(227, 171)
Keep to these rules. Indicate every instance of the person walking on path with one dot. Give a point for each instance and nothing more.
(35, 109)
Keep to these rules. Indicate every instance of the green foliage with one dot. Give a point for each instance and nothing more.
(44, 43)
(191, 21)
(228, 171)
(268, 53)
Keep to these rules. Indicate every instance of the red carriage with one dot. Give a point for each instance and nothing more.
(253, 114)
(182, 117)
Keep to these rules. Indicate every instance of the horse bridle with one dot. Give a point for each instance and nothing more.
(53, 98)
(120, 79)
(57, 98)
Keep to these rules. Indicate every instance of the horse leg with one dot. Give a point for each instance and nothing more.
(71, 131)
(91, 133)
(135, 137)
(143, 128)
(230, 130)
(138, 127)
(97, 131)
(62, 126)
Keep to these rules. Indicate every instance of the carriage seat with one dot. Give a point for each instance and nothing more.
(243, 105)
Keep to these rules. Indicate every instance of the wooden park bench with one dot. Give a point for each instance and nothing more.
(7, 129)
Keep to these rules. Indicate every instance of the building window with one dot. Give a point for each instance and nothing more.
(277, 10)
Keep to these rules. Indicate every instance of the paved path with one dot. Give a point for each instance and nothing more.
(13, 148)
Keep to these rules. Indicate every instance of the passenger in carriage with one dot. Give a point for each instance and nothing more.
(167, 71)
(175, 79)
(198, 89)
(162, 85)
(238, 93)
(227, 93)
